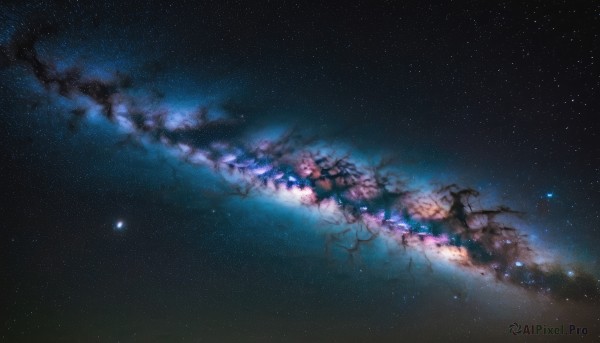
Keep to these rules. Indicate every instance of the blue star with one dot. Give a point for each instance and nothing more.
(119, 225)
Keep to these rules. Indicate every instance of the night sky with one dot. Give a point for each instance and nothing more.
(299, 172)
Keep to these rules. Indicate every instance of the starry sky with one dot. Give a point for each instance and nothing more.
(292, 172)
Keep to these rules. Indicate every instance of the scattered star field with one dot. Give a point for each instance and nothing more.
(240, 172)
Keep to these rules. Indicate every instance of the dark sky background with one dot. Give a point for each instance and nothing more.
(502, 97)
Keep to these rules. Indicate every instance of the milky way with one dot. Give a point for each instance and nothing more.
(447, 219)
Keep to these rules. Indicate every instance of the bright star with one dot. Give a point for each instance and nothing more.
(549, 195)
(120, 225)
